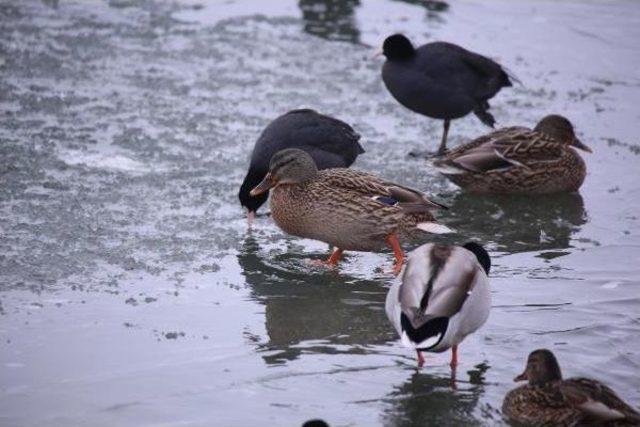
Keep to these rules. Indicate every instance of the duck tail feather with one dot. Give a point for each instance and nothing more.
(434, 228)
(428, 333)
(449, 168)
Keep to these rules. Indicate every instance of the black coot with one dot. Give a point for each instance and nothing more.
(332, 144)
(441, 80)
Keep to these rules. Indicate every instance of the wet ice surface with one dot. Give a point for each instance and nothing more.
(131, 291)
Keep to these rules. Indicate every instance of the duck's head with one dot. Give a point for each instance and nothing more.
(560, 129)
(397, 48)
(481, 254)
(542, 367)
(290, 166)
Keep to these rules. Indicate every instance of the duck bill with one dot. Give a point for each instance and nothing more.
(578, 144)
(522, 377)
(267, 183)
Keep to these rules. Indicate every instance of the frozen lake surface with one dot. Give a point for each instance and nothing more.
(131, 292)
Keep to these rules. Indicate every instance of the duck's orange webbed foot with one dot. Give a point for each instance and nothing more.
(392, 241)
(332, 261)
(335, 257)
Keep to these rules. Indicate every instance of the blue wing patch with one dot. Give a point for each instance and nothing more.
(389, 201)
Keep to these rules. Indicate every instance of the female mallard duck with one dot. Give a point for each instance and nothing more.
(549, 400)
(348, 209)
(331, 142)
(443, 296)
(519, 160)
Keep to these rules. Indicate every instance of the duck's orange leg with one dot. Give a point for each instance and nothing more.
(454, 357)
(250, 217)
(392, 241)
(420, 359)
(332, 261)
(335, 257)
(454, 366)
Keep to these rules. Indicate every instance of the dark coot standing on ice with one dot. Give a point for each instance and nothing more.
(332, 144)
(441, 80)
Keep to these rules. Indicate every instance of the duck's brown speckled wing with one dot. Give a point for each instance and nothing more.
(500, 134)
(598, 401)
(368, 185)
(540, 406)
(512, 147)
(535, 147)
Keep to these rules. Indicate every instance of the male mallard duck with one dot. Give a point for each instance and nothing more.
(348, 209)
(519, 160)
(441, 80)
(331, 142)
(442, 296)
(549, 400)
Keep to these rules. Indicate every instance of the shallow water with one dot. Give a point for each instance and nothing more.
(131, 292)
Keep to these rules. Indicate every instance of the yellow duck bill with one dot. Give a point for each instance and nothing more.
(267, 183)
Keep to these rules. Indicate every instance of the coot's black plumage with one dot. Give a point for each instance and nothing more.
(331, 142)
(441, 80)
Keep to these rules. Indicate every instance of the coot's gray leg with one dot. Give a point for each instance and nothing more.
(443, 143)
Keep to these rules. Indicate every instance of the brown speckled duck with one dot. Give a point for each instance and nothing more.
(519, 160)
(348, 209)
(549, 400)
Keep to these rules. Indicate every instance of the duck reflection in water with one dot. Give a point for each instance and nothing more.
(331, 19)
(519, 223)
(341, 314)
(434, 8)
(427, 400)
(335, 19)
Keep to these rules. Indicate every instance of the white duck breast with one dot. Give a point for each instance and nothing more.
(441, 297)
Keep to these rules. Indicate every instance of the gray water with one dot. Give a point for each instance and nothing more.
(131, 292)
